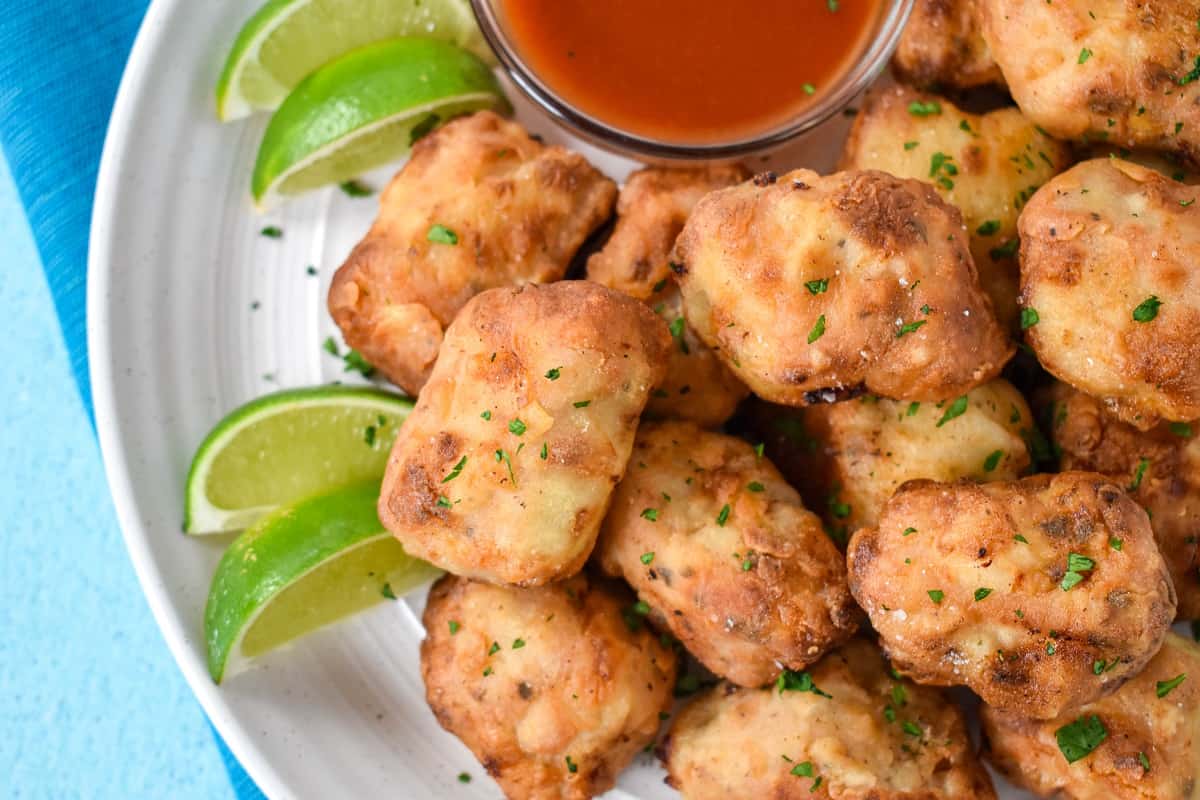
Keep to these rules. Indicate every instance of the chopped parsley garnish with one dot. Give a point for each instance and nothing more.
(677, 328)
(981, 593)
(1021, 539)
(993, 460)
(455, 626)
(911, 145)
(937, 595)
(911, 728)
(759, 449)
(1078, 739)
(641, 608)
(495, 648)
(582, 403)
(909, 327)
(1084, 55)
(387, 592)
(444, 502)
(647, 558)
(1115, 543)
(354, 362)
(1139, 473)
(272, 232)
(369, 435)
(422, 129)
(755, 486)
(1076, 566)
(818, 329)
(723, 515)
(554, 374)
(803, 770)
(650, 514)
(487, 671)
(818, 286)
(1147, 309)
(330, 346)
(832, 5)
(908, 531)
(1163, 688)
(545, 452)
(965, 127)
(440, 234)
(919, 109)
(518, 644)
(792, 681)
(486, 415)
(517, 427)
(1181, 429)
(572, 767)
(456, 471)
(1145, 762)
(356, 189)
(502, 455)
(1006, 250)
(956, 409)
(988, 228)
(1194, 75)
(464, 777)
(809, 88)
(1029, 318)
(913, 408)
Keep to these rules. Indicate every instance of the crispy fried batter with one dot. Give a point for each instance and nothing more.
(811, 287)
(506, 465)
(519, 211)
(1159, 468)
(848, 458)
(1152, 747)
(1113, 70)
(534, 681)
(755, 743)
(721, 549)
(651, 210)
(942, 46)
(958, 598)
(1097, 243)
(986, 165)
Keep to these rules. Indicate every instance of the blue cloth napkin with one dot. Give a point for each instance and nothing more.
(60, 63)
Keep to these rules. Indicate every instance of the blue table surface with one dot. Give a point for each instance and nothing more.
(91, 703)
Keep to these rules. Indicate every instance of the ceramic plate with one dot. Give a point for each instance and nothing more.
(192, 312)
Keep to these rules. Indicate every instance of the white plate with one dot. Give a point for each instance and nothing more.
(176, 263)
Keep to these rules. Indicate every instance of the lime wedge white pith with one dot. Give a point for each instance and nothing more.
(287, 446)
(288, 39)
(301, 568)
(361, 111)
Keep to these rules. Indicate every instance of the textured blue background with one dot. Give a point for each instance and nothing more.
(91, 704)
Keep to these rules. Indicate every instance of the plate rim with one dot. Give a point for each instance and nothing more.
(105, 201)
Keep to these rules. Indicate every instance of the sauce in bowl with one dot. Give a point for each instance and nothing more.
(690, 71)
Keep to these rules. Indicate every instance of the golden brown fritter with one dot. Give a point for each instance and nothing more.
(653, 206)
(548, 687)
(1159, 468)
(942, 46)
(986, 165)
(848, 730)
(1108, 263)
(506, 465)
(725, 555)
(1151, 744)
(478, 205)
(1168, 164)
(848, 458)
(811, 287)
(1127, 73)
(1039, 594)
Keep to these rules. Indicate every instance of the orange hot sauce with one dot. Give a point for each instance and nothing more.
(689, 71)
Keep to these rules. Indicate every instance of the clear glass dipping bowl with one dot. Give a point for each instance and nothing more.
(880, 43)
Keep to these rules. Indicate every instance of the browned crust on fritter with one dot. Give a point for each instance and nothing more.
(961, 537)
(942, 46)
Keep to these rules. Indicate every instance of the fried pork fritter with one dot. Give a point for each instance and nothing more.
(547, 686)
(986, 165)
(479, 205)
(1108, 270)
(942, 46)
(1159, 468)
(1150, 748)
(506, 465)
(811, 288)
(848, 458)
(846, 730)
(653, 206)
(1039, 595)
(725, 555)
(1121, 72)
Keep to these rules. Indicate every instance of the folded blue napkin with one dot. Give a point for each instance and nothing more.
(60, 63)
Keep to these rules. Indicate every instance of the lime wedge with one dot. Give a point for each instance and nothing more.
(301, 568)
(361, 111)
(287, 39)
(287, 446)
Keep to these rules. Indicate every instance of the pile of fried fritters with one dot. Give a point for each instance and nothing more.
(971, 457)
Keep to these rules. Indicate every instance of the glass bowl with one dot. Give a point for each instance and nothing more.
(880, 43)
